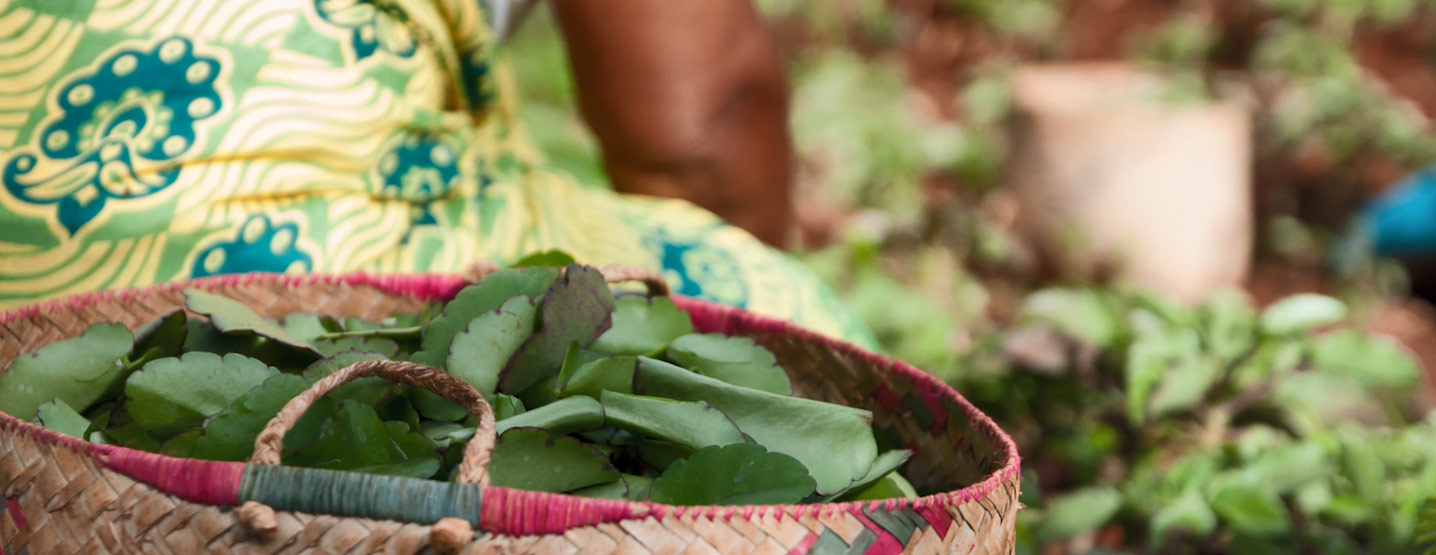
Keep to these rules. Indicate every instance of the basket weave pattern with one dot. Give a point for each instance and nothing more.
(64, 495)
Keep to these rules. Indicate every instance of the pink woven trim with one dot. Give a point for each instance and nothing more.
(422, 286)
(520, 512)
(208, 482)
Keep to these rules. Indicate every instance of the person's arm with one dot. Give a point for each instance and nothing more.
(688, 99)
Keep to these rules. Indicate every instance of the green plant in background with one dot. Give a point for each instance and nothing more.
(1219, 427)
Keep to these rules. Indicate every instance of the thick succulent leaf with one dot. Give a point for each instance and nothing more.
(575, 309)
(78, 371)
(57, 416)
(353, 438)
(479, 353)
(230, 435)
(574, 414)
(596, 376)
(307, 327)
(661, 454)
(738, 474)
(890, 486)
(160, 338)
(643, 326)
(552, 257)
(435, 407)
(486, 296)
(627, 487)
(533, 459)
(370, 391)
(736, 360)
(181, 446)
(834, 442)
(886, 463)
(229, 315)
(363, 344)
(171, 395)
(695, 424)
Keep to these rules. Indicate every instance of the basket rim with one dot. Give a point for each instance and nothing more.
(507, 510)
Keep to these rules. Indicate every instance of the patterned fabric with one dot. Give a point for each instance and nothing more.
(146, 141)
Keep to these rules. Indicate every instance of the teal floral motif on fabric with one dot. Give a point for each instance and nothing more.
(260, 246)
(422, 168)
(137, 104)
(699, 270)
(373, 25)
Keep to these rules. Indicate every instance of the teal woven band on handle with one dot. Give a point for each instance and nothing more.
(343, 493)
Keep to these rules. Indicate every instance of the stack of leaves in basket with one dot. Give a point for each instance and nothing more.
(596, 394)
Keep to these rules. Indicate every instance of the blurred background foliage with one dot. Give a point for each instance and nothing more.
(1257, 422)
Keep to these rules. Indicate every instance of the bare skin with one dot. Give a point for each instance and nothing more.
(688, 99)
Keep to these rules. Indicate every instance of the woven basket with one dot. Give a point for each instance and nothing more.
(64, 495)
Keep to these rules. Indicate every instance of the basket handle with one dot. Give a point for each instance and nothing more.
(617, 273)
(472, 468)
(447, 535)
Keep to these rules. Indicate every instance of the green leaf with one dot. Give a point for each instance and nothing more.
(596, 376)
(160, 338)
(736, 360)
(123, 431)
(486, 296)
(737, 474)
(171, 395)
(306, 327)
(78, 371)
(627, 486)
(505, 406)
(1079, 512)
(574, 414)
(1228, 323)
(230, 435)
(353, 438)
(181, 446)
(694, 424)
(479, 353)
(57, 416)
(662, 454)
(1185, 385)
(1301, 312)
(1249, 509)
(410, 453)
(552, 258)
(834, 442)
(643, 326)
(576, 309)
(444, 433)
(1147, 361)
(1188, 512)
(1364, 468)
(413, 468)
(373, 390)
(533, 459)
(229, 315)
(890, 486)
(1374, 361)
(885, 464)
(1080, 313)
(435, 407)
(379, 345)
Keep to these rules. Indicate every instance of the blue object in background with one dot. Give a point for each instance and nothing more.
(1402, 220)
